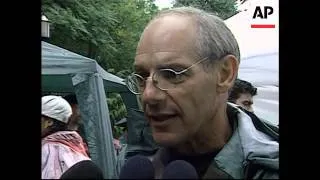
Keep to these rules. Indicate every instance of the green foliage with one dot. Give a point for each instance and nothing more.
(133, 15)
(118, 131)
(117, 111)
(81, 26)
(116, 106)
(105, 30)
(222, 8)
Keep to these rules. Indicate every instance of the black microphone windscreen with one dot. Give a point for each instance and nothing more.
(137, 167)
(83, 170)
(179, 169)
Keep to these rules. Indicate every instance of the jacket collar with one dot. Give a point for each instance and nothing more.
(246, 143)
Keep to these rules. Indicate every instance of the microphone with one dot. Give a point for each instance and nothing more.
(179, 169)
(83, 170)
(137, 167)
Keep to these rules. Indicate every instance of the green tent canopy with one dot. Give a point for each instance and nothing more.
(67, 72)
(59, 65)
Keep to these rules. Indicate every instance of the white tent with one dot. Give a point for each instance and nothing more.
(259, 50)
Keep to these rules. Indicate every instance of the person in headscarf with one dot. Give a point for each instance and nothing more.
(61, 148)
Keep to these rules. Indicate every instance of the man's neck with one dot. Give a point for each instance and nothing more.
(211, 137)
(73, 127)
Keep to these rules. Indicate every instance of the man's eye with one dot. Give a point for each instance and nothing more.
(172, 76)
(168, 74)
(247, 103)
(143, 74)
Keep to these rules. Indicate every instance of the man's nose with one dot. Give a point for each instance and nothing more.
(151, 94)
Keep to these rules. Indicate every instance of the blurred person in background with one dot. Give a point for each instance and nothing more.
(60, 147)
(75, 123)
(242, 94)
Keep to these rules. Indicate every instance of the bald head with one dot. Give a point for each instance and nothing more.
(166, 34)
(208, 35)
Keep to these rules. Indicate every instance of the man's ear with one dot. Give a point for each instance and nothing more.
(48, 123)
(227, 73)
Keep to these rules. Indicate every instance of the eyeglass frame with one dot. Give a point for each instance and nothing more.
(167, 69)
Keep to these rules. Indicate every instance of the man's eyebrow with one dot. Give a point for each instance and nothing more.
(139, 68)
(172, 65)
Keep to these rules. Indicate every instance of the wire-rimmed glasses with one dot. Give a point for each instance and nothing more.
(163, 79)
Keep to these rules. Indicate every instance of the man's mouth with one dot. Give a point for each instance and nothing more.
(162, 117)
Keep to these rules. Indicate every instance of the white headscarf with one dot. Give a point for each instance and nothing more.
(56, 107)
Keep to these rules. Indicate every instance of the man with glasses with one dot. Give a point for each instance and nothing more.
(186, 62)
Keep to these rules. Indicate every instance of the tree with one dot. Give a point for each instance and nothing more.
(222, 8)
(133, 15)
(81, 26)
(105, 30)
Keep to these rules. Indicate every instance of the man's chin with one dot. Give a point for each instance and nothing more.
(166, 139)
